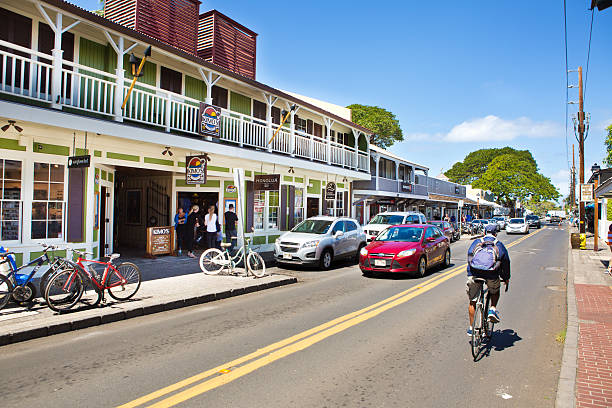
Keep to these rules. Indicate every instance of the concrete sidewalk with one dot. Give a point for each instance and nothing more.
(185, 287)
(586, 371)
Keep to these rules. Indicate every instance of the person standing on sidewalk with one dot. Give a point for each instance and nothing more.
(194, 220)
(610, 245)
(179, 228)
(211, 223)
(231, 225)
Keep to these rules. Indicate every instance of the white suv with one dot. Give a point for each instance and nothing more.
(386, 219)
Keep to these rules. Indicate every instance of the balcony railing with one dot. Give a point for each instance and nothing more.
(30, 74)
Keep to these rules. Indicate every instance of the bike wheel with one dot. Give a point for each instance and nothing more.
(6, 290)
(488, 326)
(64, 290)
(123, 283)
(256, 264)
(212, 261)
(476, 331)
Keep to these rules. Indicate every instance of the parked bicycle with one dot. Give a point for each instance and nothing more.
(213, 260)
(20, 286)
(66, 287)
(482, 329)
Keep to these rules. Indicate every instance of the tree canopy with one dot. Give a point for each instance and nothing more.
(383, 123)
(608, 143)
(542, 207)
(508, 173)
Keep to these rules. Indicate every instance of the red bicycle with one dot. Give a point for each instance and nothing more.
(67, 287)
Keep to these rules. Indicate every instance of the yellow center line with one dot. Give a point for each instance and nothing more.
(290, 345)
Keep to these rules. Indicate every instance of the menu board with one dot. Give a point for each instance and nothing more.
(160, 240)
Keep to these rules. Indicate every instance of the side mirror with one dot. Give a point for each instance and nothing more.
(338, 234)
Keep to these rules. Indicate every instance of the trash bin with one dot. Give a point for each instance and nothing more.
(582, 241)
(575, 240)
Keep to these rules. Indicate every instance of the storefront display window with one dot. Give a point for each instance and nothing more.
(10, 199)
(330, 208)
(48, 203)
(339, 204)
(259, 210)
(273, 209)
(298, 206)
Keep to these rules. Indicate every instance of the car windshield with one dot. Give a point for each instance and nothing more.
(387, 219)
(401, 234)
(517, 221)
(498, 219)
(312, 226)
(532, 217)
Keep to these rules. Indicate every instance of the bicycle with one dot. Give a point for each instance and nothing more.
(121, 282)
(19, 286)
(213, 260)
(482, 328)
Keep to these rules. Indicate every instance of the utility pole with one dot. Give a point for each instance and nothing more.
(581, 147)
(573, 180)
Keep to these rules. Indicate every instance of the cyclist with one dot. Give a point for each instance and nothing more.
(491, 264)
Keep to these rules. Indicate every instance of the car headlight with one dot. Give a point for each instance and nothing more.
(277, 242)
(311, 244)
(408, 252)
(364, 251)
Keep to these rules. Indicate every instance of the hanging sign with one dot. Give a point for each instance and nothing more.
(267, 182)
(209, 120)
(160, 240)
(406, 187)
(586, 192)
(195, 170)
(330, 191)
(386, 201)
(231, 189)
(75, 162)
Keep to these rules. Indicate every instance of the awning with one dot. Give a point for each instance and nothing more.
(450, 199)
(605, 190)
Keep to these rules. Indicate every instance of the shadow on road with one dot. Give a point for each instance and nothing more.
(500, 340)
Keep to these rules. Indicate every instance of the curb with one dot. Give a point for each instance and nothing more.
(89, 321)
(566, 396)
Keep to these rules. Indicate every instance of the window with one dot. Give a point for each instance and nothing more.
(339, 204)
(48, 203)
(387, 169)
(412, 219)
(273, 209)
(429, 233)
(300, 124)
(10, 198)
(298, 206)
(171, 80)
(219, 96)
(259, 202)
(350, 226)
(329, 208)
(338, 226)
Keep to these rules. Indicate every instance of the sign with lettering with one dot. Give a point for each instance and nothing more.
(386, 201)
(330, 191)
(231, 189)
(195, 170)
(586, 192)
(406, 187)
(75, 162)
(209, 120)
(267, 182)
(160, 240)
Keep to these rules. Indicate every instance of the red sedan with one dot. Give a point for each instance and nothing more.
(406, 248)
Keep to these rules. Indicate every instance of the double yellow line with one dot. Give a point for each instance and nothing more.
(232, 370)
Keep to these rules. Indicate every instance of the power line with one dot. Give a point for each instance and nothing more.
(566, 83)
(586, 77)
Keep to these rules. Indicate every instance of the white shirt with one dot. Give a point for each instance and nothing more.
(211, 222)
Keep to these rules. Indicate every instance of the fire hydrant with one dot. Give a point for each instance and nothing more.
(582, 241)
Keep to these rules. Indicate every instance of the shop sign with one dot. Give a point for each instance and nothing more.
(386, 201)
(586, 192)
(209, 120)
(330, 191)
(406, 187)
(160, 240)
(267, 182)
(231, 189)
(76, 162)
(195, 170)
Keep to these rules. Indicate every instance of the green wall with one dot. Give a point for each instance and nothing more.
(195, 88)
(240, 103)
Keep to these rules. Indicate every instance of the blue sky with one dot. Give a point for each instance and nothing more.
(460, 76)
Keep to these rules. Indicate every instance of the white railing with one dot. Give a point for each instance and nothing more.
(29, 74)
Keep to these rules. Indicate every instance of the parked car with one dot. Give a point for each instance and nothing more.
(555, 219)
(320, 240)
(533, 221)
(501, 221)
(385, 219)
(405, 249)
(517, 226)
(491, 221)
(453, 234)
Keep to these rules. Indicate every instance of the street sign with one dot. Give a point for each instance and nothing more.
(266, 182)
(586, 192)
(330, 191)
(75, 162)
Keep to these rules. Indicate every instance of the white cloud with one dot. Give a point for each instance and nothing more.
(561, 175)
(495, 129)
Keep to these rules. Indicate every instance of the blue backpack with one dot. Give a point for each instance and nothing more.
(485, 256)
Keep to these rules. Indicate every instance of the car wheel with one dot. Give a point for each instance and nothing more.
(447, 258)
(422, 268)
(326, 259)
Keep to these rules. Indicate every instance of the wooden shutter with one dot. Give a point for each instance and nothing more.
(283, 209)
(347, 210)
(276, 114)
(291, 207)
(16, 29)
(46, 43)
(171, 80)
(318, 130)
(309, 124)
(76, 204)
(219, 96)
(250, 207)
(259, 110)
(324, 203)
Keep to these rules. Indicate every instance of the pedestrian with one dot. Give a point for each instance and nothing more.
(194, 220)
(231, 224)
(610, 245)
(453, 219)
(211, 223)
(179, 228)
(446, 218)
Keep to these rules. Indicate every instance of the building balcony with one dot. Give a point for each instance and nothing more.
(390, 186)
(32, 77)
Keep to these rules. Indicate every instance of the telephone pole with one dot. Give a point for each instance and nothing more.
(581, 147)
(573, 181)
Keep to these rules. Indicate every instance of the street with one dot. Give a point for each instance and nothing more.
(409, 348)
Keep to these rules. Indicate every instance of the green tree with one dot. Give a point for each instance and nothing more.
(608, 143)
(383, 123)
(542, 207)
(476, 164)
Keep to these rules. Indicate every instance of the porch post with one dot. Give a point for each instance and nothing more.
(56, 82)
(399, 189)
(356, 133)
(376, 158)
(207, 78)
(328, 125)
(120, 50)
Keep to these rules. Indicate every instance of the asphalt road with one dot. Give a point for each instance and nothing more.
(411, 350)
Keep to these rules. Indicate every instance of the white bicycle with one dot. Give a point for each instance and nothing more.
(213, 260)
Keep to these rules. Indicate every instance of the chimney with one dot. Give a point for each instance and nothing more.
(227, 43)
(174, 22)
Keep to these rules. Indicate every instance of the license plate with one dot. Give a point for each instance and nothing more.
(287, 256)
(380, 262)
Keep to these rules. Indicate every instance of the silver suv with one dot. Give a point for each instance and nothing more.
(320, 240)
(386, 219)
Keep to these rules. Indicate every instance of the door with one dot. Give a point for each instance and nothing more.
(351, 231)
(430, 246)
(341, 242)
(312, 205)
(106, 230)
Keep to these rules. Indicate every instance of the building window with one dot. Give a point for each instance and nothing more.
(10, 200)
(339, 204)
(298, 206)
(387, 169)
(273, 209)
(300, 124)
(259, 202)
(48, 202)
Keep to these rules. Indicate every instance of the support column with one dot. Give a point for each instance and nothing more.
(120, 50)
(397, 179)
(356, 133)
(328, 125)
(376, 158)
(270, 101)
(207, 77)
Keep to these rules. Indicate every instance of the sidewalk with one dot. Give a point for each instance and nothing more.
(182, 285)
(586, 372)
